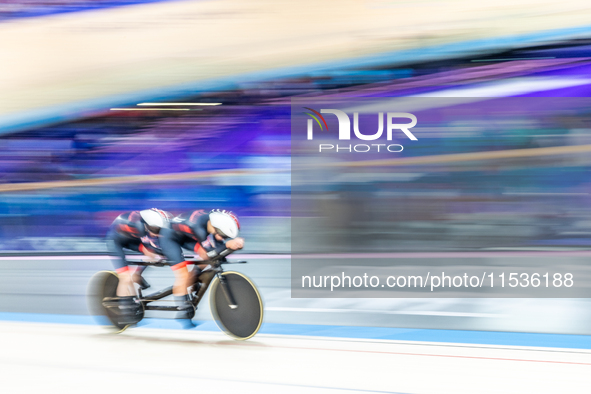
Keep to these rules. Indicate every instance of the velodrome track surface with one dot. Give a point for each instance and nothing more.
(53, 289)
(50, 345)
(54, 358)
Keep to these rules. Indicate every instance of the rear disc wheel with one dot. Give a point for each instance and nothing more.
(104, 285)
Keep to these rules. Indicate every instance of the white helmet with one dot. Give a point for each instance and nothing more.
(225, 223)
(155, 219)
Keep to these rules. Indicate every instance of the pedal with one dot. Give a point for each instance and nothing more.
(114, 303)
(111, 302)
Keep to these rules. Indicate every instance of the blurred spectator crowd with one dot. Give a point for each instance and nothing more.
(520, 202)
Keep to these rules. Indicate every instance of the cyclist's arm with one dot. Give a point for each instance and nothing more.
(151, 253)
(235, 244)
(207, 248)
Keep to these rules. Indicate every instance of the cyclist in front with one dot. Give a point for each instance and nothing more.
(137, 231)
(205, 233)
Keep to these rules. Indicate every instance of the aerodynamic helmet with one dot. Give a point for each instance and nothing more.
(155, 219)
(225, 223)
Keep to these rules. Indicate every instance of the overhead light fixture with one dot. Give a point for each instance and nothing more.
(150, 109)
(157, 104)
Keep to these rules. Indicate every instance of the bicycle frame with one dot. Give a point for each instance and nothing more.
(204, 280)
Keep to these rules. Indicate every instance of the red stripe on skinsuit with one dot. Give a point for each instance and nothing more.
(179, 266)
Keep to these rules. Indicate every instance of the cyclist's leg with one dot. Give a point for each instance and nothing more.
(129, 312)
(139, 279)
(195, 247)
(115, 245)
(170, 243)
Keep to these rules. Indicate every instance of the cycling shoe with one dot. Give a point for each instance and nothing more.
(186, 311)
(124, 310)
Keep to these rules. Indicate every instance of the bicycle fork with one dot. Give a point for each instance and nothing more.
(227, 292)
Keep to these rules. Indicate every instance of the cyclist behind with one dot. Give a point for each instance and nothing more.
(137, 231)
(205, 233)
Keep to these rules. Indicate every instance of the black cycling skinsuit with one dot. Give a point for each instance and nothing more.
(188, 231)
(128, 232)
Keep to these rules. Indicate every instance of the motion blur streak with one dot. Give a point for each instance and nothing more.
(184, 105)
(461, 157)
(156, 104)
(149, 109)
(139, 179)
(160, 55)
(435, 159)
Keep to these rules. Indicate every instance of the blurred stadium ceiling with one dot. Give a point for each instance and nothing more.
(74, 65)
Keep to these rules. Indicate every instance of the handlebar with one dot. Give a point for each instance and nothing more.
(215, 261)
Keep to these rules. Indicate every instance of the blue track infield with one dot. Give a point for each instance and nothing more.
(378, 333)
